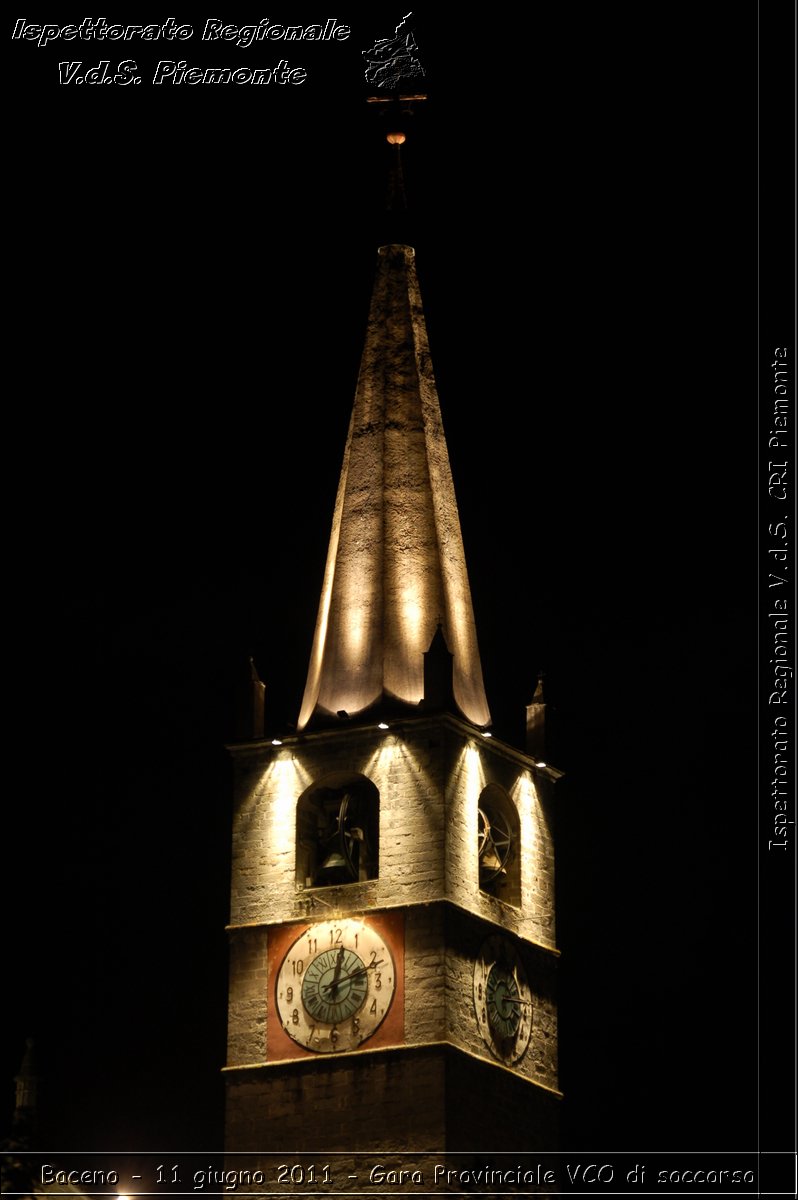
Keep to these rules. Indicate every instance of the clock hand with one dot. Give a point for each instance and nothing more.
(370, 967)
(327, 987)
(336, 979)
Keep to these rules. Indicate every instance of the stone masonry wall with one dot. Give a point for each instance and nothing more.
(441, 944)
(430, 774)
(418, 1099)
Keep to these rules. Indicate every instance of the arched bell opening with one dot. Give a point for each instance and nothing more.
(337, 833)
(499, 845)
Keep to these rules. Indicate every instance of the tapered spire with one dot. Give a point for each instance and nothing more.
(396, 566)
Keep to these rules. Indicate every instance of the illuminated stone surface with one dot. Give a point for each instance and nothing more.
(395, 597)
(396, 565)
(429, 779)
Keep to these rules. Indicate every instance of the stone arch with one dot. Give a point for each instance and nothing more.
(499, 845)
(337, 831)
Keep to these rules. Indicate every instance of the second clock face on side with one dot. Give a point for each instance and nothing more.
(502, 999)
(335, 985)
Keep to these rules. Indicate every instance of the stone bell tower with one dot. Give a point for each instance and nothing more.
(393, 958)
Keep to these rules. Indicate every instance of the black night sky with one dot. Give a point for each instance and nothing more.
(192, 277)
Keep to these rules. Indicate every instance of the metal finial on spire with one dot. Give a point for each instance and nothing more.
(396, 112)
(394, 71)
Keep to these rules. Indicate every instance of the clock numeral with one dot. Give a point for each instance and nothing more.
(334, 1035)
(335, 937)
(297, 966)
(310, 1035)
(373, 1009)
(355, 1024)
(295, 1017)
(377, 981)
(312, 945)
(289, 994)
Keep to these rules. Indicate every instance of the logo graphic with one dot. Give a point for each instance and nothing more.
(393, 61)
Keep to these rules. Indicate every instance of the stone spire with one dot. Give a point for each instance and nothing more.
(395, 567)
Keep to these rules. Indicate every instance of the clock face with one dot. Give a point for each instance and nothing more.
(502, 999)
(335, 985)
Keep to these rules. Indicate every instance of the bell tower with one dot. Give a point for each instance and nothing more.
(392, 933)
